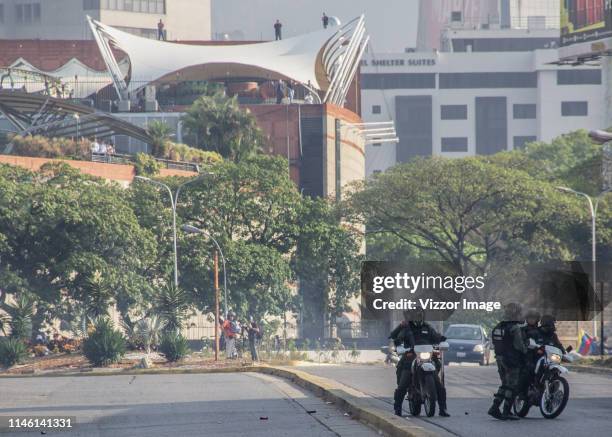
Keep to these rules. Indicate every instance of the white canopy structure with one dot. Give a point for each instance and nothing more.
(325, 60)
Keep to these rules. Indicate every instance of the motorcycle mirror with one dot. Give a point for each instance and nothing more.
(444, 346)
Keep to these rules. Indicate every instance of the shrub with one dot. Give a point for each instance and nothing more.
(146, 165)
(42, 147)
(105, 345)
(173, 346)
(12, 351)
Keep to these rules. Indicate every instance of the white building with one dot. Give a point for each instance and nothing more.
(65, 19)
(465, 103)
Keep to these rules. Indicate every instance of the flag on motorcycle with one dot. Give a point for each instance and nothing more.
(584, 341)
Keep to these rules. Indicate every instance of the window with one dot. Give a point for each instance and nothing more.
(524, 111)
(456, 16)
(488, 80)
(27, 13)
(455, 144)
(145, 6)
(574, 109)
(375, 109)
(91, 4)
(520, 141)
(453, 112)
(579, 77)
(373, 81)
(376, 144)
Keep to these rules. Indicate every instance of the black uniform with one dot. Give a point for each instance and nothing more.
(529, 331)
(510, 350)
(408, 335)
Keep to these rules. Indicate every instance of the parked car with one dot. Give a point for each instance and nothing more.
(468, 344)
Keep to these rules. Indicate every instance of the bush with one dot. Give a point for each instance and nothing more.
(146, 165)
(42, 147)
(12, 351)
(105, 345)
(174, 347)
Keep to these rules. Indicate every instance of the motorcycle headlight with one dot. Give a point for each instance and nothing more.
(478, 348)
(555, 358)
(425, 355)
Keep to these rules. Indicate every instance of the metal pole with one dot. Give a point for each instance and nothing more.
(216, 306)
(601, 322)
(593, 256)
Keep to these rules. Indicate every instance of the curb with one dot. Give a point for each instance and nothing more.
(359, 407)
(590, 369)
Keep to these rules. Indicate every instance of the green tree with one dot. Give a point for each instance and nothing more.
(468, 212)
(217, 123)
(160, 136)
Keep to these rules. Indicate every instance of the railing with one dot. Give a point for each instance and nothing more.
(122, 159)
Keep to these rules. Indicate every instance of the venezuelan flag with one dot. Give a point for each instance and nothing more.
(584, 341)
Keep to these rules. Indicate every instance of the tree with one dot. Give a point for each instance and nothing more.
(327, 261)
(59, 228)
(220, 125)
(172, 305)
(160, 135)
(468, 212)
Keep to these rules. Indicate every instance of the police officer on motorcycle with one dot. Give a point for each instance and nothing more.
(510, 350)
(531, 329)
(409, 334)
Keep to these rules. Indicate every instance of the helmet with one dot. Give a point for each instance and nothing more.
(532, 315)
(548, 321)
(512, 311)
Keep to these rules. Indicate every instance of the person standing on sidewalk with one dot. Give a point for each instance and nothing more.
(254, 334)
(229, 332)
(325, 20)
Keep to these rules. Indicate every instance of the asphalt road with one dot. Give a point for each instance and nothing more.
(470, 390)
(239, 404)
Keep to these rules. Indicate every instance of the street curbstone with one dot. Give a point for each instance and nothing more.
(589, 369)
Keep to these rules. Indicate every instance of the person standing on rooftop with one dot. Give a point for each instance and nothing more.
(277, 30)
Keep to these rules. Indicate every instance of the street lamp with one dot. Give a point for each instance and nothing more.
(593, 210)
(193, 230)
(174, 202)
(77, 117)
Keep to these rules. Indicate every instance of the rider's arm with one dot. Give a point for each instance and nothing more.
(557, 343)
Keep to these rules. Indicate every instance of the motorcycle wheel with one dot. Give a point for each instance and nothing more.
(521, 407)
(554, 405)
(414, 405)
(430, 396)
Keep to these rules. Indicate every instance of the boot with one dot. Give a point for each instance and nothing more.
(398, 399)
(507, 413)
(443, 412)
(494, 410)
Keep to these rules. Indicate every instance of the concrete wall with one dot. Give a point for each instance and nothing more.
(124, 174)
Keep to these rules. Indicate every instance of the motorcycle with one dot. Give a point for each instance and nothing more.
(423, 388)
(548, 388)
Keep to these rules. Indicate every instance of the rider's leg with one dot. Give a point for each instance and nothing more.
(401, 390)
(512, 383)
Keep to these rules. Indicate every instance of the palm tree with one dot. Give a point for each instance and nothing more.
(172, 305)
(20, 315)
(220, 125)
(160, 135)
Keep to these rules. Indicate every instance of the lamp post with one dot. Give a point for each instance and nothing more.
(77, 117)
(174, 202)
(193, 230)
(593, 205)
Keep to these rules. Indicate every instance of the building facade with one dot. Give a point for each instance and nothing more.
(65, 19)
(467, 103)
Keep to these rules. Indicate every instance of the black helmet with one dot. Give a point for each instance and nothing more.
(548, 321)
(532, 315)
(512, 311)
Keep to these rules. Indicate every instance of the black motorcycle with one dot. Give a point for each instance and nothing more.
(423, 388)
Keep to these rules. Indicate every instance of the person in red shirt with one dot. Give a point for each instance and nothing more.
(230, 330)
